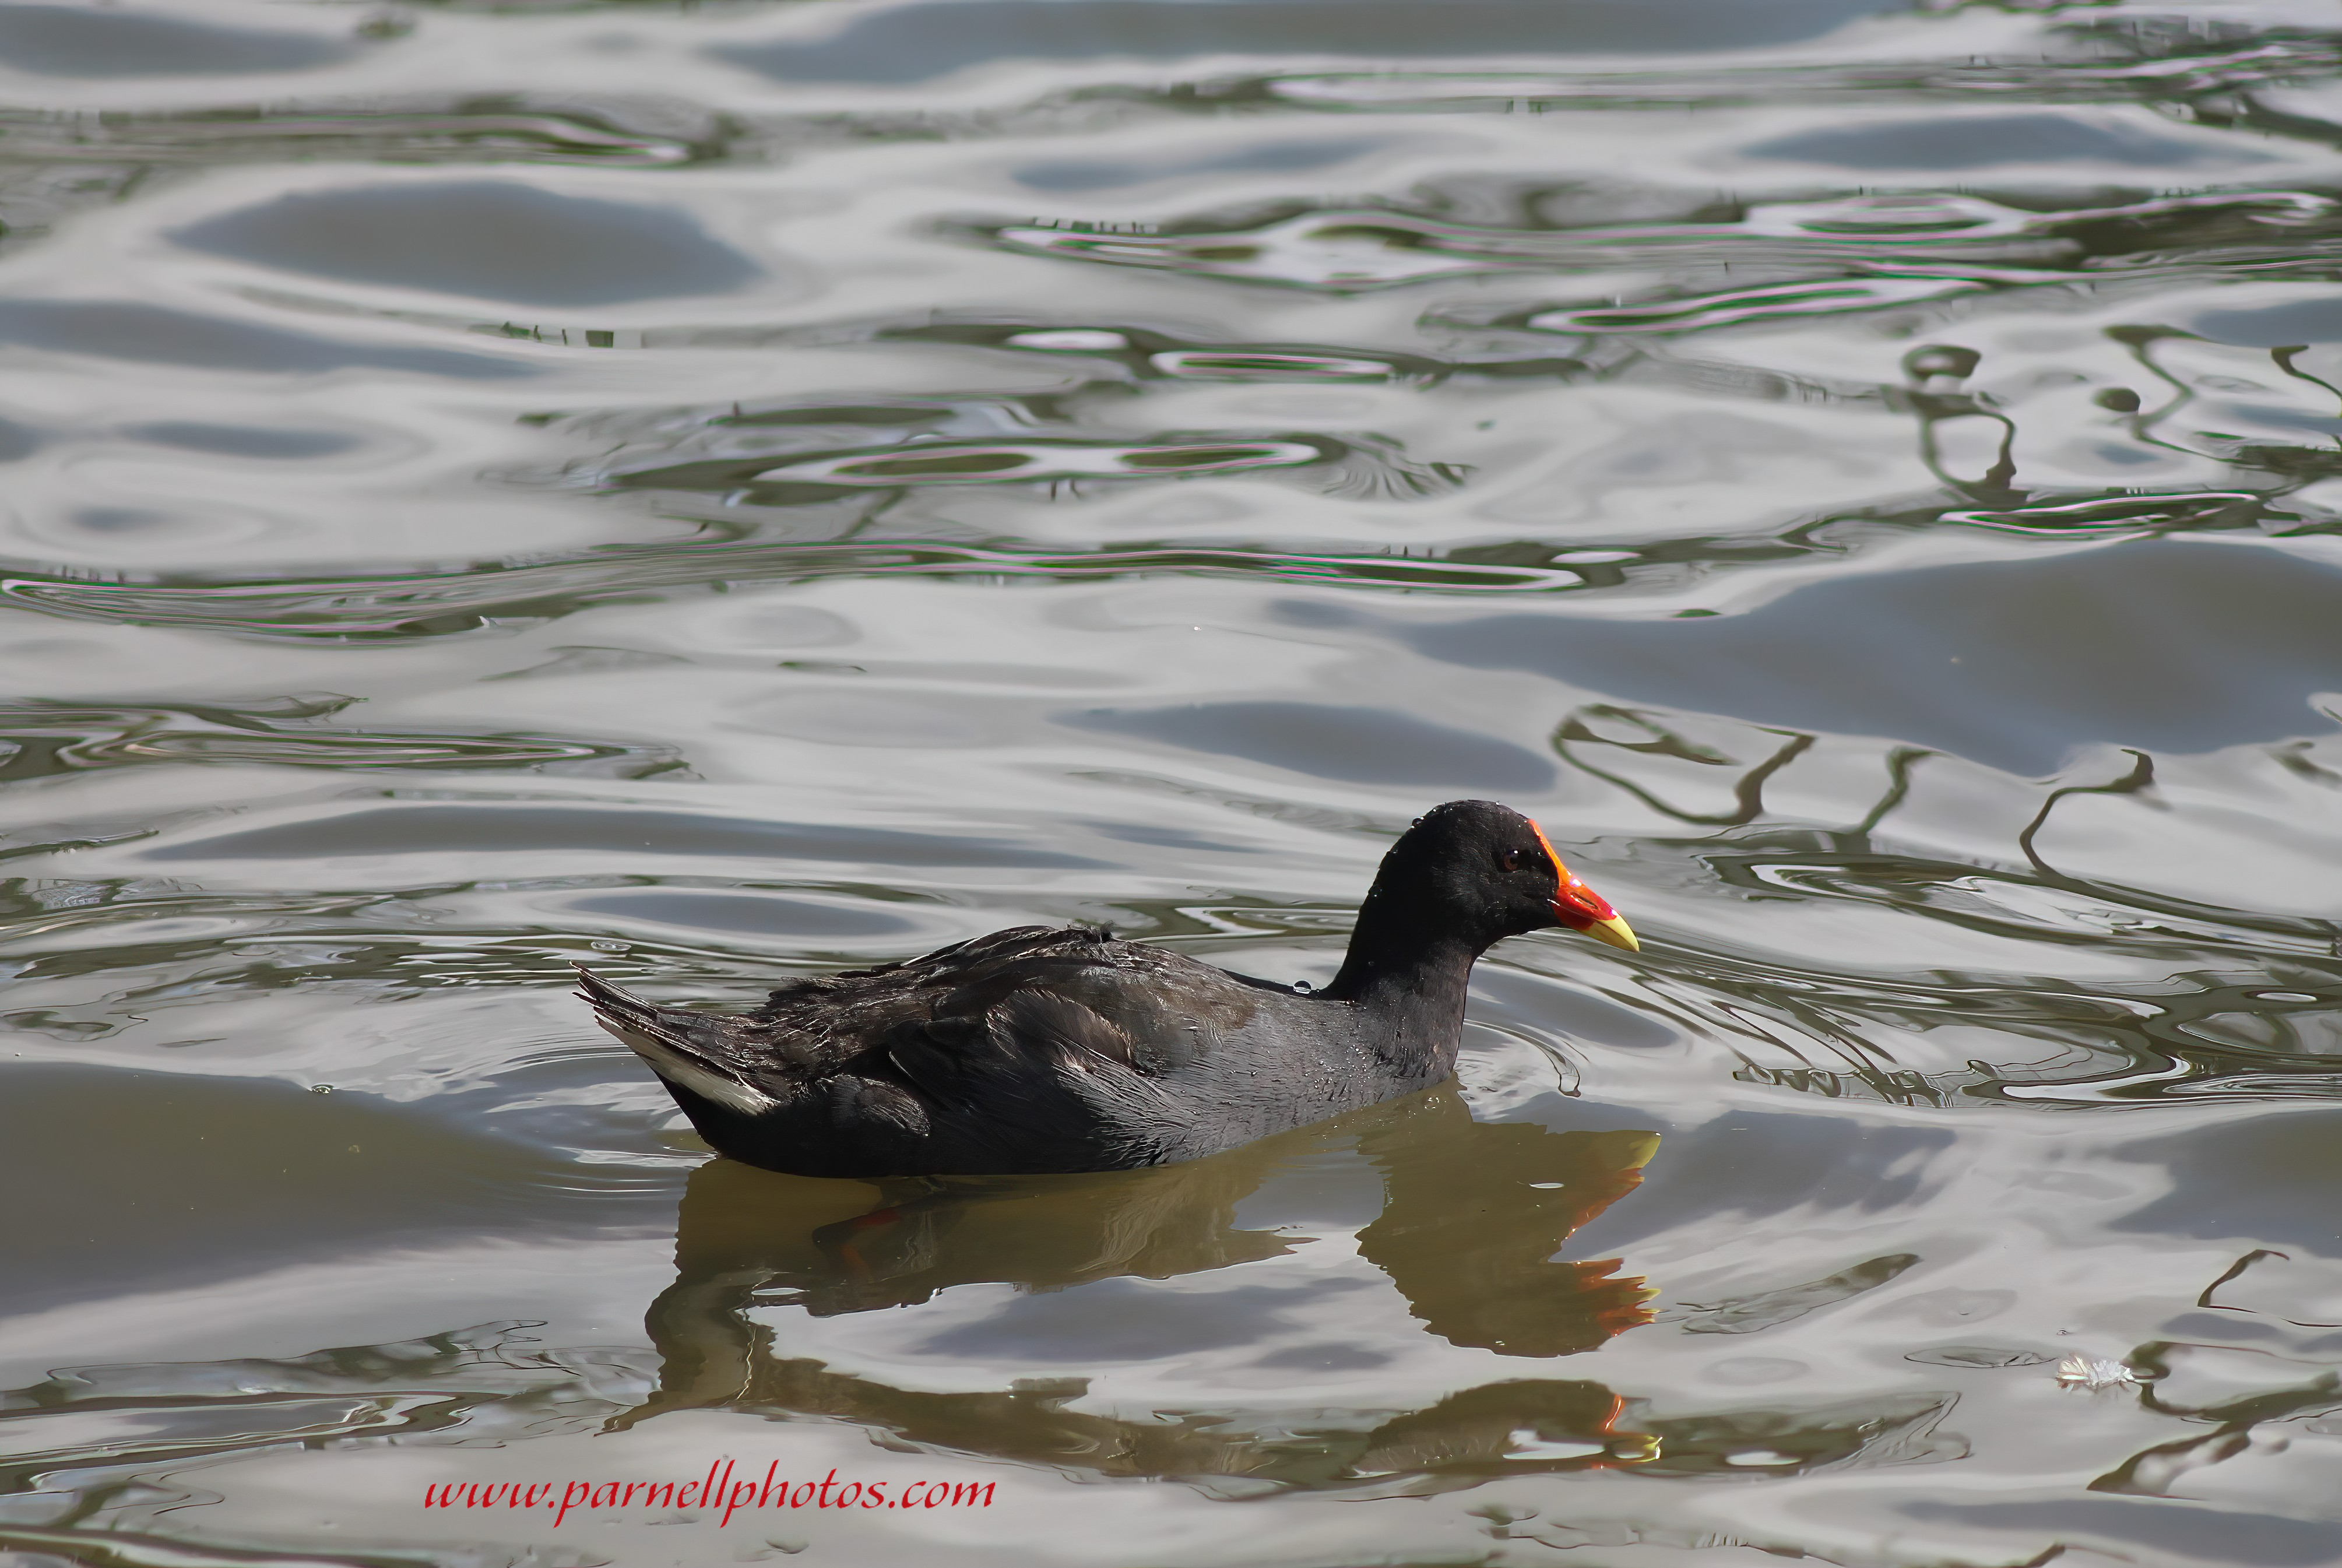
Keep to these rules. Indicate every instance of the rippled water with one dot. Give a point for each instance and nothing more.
(725, 490)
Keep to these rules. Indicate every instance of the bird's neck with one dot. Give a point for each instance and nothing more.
(1409, 974)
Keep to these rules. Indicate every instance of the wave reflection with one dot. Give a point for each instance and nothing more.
(1345, 249)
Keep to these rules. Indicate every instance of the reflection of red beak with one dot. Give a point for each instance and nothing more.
(1580, 908)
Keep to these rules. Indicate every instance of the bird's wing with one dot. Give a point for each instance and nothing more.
(1104, 1006)
(1067, 1043)
(929, 968)
(1027, 1035)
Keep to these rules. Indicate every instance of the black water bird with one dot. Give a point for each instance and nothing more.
(1042, 1049)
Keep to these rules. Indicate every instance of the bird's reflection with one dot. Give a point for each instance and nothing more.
(1471, 1215)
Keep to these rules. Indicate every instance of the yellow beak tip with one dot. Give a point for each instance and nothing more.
(1617, 933)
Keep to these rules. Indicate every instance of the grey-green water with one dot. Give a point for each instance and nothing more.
(723, 491)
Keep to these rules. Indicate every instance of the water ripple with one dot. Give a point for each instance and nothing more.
(2179, 68)
(1351, 249)
(801, 452)
(474, 132)
(427, 604)
(43, 738)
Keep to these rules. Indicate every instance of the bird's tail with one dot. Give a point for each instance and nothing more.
(615, 1005)
(662, 1038)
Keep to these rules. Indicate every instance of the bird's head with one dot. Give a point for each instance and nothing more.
(1490, 865)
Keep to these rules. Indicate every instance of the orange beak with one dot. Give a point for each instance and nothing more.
(1580, 908)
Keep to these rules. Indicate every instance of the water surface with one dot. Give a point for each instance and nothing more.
(721, 493)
